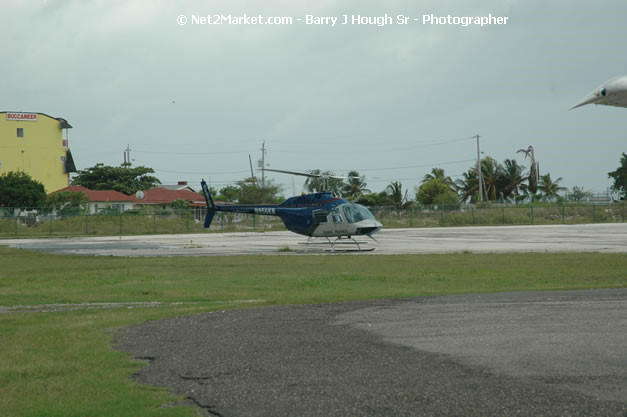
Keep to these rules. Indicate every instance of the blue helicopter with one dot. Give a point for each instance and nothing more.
(319, 214)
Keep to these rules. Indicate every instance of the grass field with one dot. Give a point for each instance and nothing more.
(62, 363)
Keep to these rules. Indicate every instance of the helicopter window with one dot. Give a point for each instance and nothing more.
(355, 213)
(337, 217)
(320, 216)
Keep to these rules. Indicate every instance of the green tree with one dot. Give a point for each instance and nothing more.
(578, 194)
(125, 180)
(509, 178)
(436, 191)
(20, 191)
(500, 181)
(468, 185)
(67, 203)
(438, 173)
(374, 199)
(251, 192)
(325, 181)
(620, 177)
(548, 188)
(229, 193)
(179, 205)
(490, 170)
(395, 192)
(355, 185)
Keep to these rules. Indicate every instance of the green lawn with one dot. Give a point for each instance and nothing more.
(62, 363)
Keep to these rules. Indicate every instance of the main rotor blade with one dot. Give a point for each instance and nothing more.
(304, 174)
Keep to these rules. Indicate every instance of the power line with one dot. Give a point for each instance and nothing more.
(198, 173)
(386, 150)
(343, 169)
(283, 150)
(481, 186)
(190, 153)
(430, 164)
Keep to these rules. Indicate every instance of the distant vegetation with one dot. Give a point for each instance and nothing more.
(509, 182)
(620, 177)
(125, 179)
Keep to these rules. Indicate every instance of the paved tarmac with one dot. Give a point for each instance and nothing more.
(545, 238)
(516, 354)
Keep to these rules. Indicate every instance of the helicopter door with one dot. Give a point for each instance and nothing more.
(324, 221)
(340, 226)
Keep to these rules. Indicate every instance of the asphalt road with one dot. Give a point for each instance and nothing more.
(544, 238)
(516, 354)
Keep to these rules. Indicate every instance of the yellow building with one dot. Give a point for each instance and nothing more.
(35, 143)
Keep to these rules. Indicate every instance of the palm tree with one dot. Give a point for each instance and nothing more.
(532, 186)
(490, 171)
(578, 194)
(510, 178)
(438, 173)
(395, 191)
(355, 185)
(326, 181)
(550, 188)
(468, 185)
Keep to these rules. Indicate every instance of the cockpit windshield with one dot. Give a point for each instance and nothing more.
(356, 213)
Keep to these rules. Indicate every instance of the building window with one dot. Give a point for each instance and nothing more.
(20, 132)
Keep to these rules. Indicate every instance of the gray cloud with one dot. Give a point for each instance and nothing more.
(346, 97)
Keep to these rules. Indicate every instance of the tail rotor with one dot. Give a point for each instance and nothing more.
(211, 206)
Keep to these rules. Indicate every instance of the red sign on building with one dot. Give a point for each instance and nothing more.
(27, 117)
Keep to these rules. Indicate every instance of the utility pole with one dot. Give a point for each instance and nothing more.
(479, 173)
(263, 164)
(127, 157)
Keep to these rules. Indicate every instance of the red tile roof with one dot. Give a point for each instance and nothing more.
(155, 195)
(99, 195)
(160, 195)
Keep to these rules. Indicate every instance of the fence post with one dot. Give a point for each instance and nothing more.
(623, 212)
(16, 220)
(531, 213)
(188, 215)
(503, 208)
(221, 222)
(154, 222)
(474, 220)
(86, 223)
(121, 213)
(563, 214)
(254, 221)
(594, 220)
(441, 214)
(50, 220)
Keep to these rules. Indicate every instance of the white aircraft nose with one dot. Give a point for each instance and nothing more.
(612, 93)
(589, 99)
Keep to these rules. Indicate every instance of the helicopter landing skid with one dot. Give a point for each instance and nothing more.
(340, 241)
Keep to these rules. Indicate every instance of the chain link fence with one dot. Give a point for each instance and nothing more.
(33, 223)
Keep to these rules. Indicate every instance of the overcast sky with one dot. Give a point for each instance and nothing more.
(390, 101)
